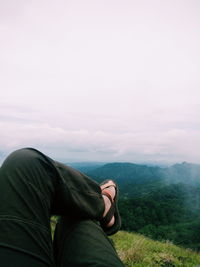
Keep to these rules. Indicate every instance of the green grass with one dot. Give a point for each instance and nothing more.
(139, 251)
(135, 250)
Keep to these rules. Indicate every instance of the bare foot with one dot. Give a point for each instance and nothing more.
(109, 187)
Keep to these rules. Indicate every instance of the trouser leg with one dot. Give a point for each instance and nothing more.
(82, 243)
(14, 258)
(32, 187)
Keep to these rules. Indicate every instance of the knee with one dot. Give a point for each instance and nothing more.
(20, 156)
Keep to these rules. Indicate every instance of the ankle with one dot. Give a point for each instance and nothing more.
(108, 204)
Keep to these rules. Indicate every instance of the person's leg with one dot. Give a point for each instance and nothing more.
(13, 258)
(83, 243)
(32, 187)
(26, 193)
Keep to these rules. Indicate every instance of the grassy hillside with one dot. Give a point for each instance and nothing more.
(138, 251)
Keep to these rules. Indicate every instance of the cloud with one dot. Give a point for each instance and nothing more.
(82, 144)
(107, 80)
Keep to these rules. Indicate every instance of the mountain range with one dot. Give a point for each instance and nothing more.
(135, 180)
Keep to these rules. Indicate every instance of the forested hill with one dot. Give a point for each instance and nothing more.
(126, 172)
(135, 180)
(185, 173)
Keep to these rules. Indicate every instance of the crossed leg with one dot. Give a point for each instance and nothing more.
(32, 188)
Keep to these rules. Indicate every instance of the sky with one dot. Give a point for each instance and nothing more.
(109, 80)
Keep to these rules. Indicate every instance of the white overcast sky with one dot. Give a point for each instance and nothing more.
(101, 80)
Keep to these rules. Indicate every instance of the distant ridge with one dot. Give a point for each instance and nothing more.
(135, 175)
(85, 166)
(126, 171)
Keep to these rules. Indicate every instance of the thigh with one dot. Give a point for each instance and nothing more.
(26, 193)
(13, 258)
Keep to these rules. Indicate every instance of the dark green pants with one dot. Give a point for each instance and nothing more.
(32, 188)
